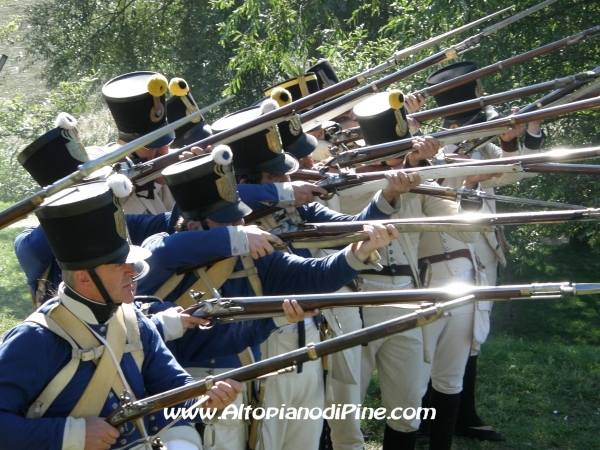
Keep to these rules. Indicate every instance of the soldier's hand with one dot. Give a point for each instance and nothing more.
(413, 102)
(188, 321)
(99, 435)
(379, 237)
(304, 192)
(425, 147)
(294, 312)
(399, 183)
(516, 131)
(471, 181)
(260, 241)
(195, 151)
(222, 394)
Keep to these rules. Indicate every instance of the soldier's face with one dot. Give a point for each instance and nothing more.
(274, 178)
(118, 281)
(151, 153)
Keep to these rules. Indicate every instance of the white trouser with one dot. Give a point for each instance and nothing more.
(228, 433)
(399, 361)
(481, 326)
(345, 433)
(449, 343)
(292, 390)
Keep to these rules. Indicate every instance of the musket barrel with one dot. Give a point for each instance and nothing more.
(572, 82)
(493, 68)
(574, 169)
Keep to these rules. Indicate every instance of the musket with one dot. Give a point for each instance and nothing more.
(155, 403)
(552, 156)
(247, 308)
(409, 51)
(343, 182)
(337, 183)
(572, 82)
(31, 203)
(339, 105)
(494, 68)
(334, 234)
(3, 59)
(560, 96)
(396, 149)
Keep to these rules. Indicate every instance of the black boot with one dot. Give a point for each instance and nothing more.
(441, 429)
(423, 431)
(397, 440)
(468, 423)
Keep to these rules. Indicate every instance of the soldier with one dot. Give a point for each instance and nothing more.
(454, 261)
(399, 359)
(89, 344)
(275, 273)
(137, 103)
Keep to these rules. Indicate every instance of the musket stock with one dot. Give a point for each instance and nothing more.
(137, 409)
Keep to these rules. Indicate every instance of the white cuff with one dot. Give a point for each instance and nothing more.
(285, 194)
(238, 240)
(385, 206)
(171, 324)
(74, 434)
(356, 264)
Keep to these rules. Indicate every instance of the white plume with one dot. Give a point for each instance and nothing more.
(120, 185)
(222, 155)
(268, 106)
(65, 121)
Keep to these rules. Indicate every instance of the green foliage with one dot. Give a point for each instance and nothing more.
(23, 120)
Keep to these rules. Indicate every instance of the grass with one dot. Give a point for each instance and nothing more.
(15, 301)
(539, 372)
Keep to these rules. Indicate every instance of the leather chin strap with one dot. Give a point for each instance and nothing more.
(98, 282)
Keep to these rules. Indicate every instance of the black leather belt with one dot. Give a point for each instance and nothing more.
(393, 270)
(463, 253)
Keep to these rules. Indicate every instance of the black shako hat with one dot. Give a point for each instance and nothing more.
(325, 73)
(205, 187)
(463, 93)
(261, 151)
(181, 105)
(55, 154)
(293, 138)
(382, 118)
(298, 87)
(137, 103)
(85, 227)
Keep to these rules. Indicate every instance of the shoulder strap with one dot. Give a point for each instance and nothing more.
(253, 277)
(134, 341)
(169, 285)
(214, 277)
(62, 378)
(85, 347)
